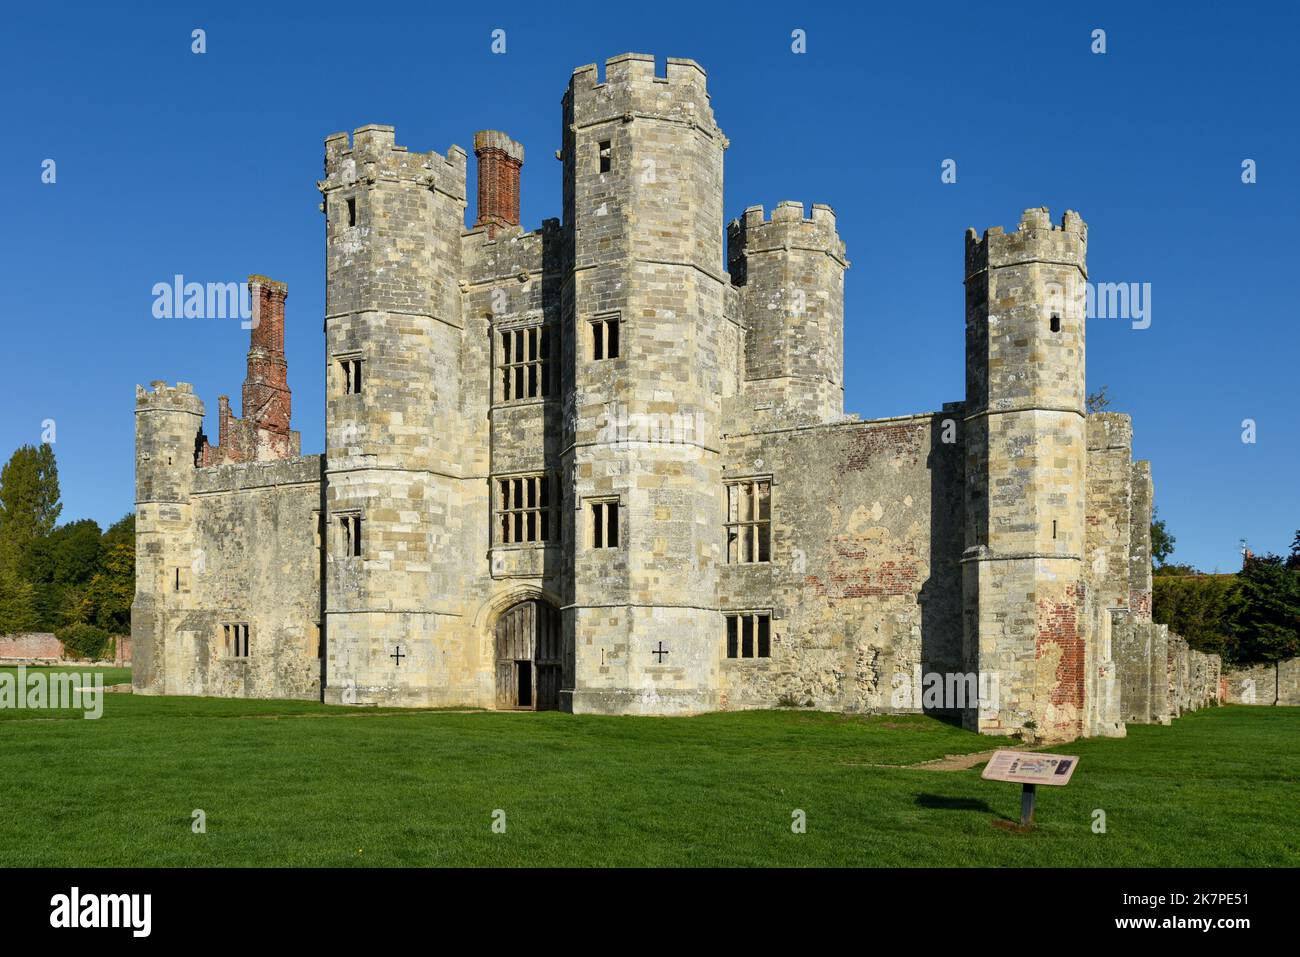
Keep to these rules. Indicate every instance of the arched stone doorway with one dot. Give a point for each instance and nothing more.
(529, 665)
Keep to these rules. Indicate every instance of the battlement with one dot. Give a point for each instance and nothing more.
(512, 254)
(630, 67)
(237, 476)
(787, 229)
(372, 154)
(1034, 239)
(165, 398)
(632, 88)
(1109, 430)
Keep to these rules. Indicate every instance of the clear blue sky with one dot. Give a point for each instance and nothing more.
(168, 162)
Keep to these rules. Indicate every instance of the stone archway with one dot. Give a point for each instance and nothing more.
(529, 660)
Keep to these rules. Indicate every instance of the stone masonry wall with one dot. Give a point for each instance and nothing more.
(1006, 534)
(864, 583)
(255, 562)
(1276, 683)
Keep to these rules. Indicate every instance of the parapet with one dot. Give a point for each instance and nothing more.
(165, 398)
(631, 88)
(787, 230)
(234, 476)
(1035, 239)
(1109, 430)
(512, 254)
(373, 155)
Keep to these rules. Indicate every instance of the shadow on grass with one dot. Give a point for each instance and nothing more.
(939, 802)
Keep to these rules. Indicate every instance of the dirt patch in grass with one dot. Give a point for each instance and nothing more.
(949, 762)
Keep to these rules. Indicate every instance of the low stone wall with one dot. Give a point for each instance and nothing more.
(31, 646)
(1275, 683)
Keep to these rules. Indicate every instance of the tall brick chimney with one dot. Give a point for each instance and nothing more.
(499, 160)
(266, 385)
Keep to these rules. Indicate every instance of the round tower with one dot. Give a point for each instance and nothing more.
(1026, 452)
(790, 272)
(168, 436)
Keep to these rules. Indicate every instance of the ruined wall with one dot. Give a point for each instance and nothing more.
(1193, 677)
(255, 562)
(1006, 534)
(864, 582)
(1141, 646)
(28, 645)
(1107, 556)
(1276, 683)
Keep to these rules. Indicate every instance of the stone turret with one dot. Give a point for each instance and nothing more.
(393, 330)
(168, 425)
(790, 272)
(645, 315)
(1024, 593)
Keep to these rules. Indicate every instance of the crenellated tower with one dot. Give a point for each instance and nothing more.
(645, 332)
(1024, 594)
(790, 272)
(393, 330)
(168, 425)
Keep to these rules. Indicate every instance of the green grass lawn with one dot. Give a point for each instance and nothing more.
(112, 676)
(305, 784)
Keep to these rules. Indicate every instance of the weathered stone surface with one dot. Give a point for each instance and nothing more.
(610, 354)
(1276, 683)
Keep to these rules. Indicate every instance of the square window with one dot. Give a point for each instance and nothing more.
(526, 510)
(524, 363)
(749, 634)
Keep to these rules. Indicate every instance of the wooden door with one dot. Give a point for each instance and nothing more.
(528, 659)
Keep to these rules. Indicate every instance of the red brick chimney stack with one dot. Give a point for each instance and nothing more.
(499, 160)
(266, 386)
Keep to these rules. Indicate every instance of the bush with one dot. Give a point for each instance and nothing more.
(83, 641)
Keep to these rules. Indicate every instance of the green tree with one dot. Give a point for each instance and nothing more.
(1162, 543)
(18, 610)
(1097, 401)
(1266, 612)
(69, 555)
(111, 592)
(29, 496)
(121, 532)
